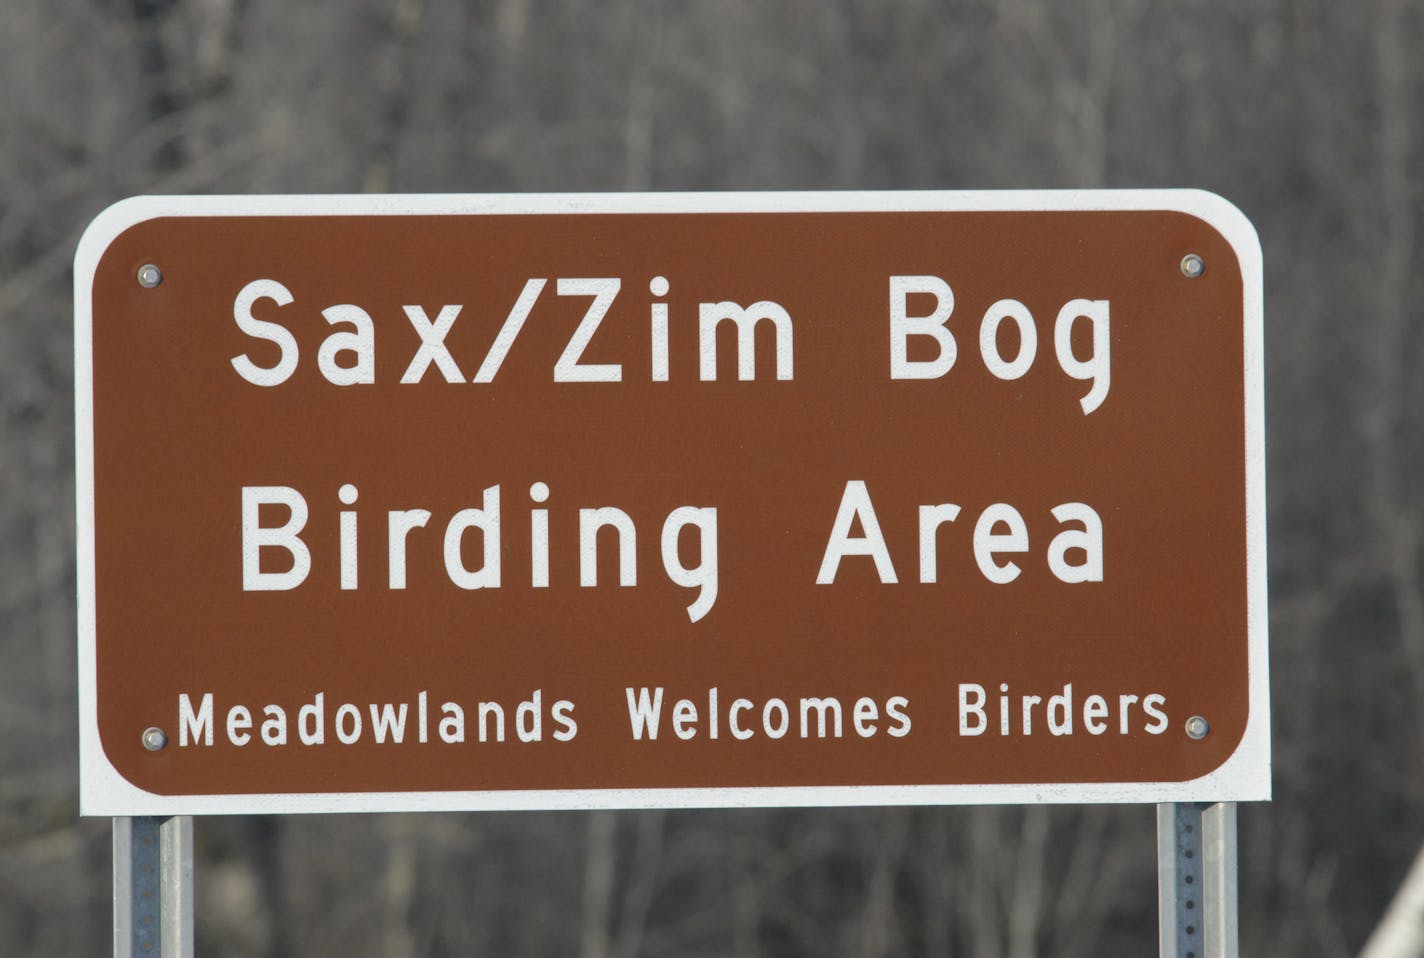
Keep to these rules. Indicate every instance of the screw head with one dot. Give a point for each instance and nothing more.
(1193, 266)
(149, 276)
(154, 738)
(1197, 728)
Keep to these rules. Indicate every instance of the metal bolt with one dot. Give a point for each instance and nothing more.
(149, 276)
(154, 738)
(1193, 266)
(1197, 728)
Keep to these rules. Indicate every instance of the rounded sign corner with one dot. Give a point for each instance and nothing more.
(109, 225)
(1244, 775)
(104, 790)
(1228, 219)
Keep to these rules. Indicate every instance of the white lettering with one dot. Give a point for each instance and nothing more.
(703, 576)
(388, 722)
(972, 720)
(274, 727)
(255, 538)
(197, 727)
(1089, 540)
(452, 724)
(745, 319)
(261, 329)
(903, 326)
(822, 707)
(988, 543)
(513, 323)
(563, 717)
(989, 339)
(644, 714)
(311, 721)
(432, 344)
(348, 724)
(590, 521)
(1096, 367)
(239, 720)
(931, 518)
(529, 718)
(855, 504)
(568, 369)
(398, 526)
(360, 342)
(486, 520)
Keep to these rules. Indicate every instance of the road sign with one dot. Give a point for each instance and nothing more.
(401, 503)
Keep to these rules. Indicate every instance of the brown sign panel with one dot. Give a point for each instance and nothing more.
(506, 502)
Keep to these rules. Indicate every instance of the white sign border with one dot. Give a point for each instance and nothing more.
(1245, 776)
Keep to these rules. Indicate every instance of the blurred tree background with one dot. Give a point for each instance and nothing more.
(1309, 114)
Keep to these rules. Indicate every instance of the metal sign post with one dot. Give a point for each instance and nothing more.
(153, 887)
(1196, 879)
(1196, 871)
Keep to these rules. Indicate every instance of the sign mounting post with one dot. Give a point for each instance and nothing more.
(153, 887)
(1197, 880)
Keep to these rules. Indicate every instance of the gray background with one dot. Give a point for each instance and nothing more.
(1306, 113)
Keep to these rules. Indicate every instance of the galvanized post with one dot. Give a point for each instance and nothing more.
(1196, 880)
(153, 887)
